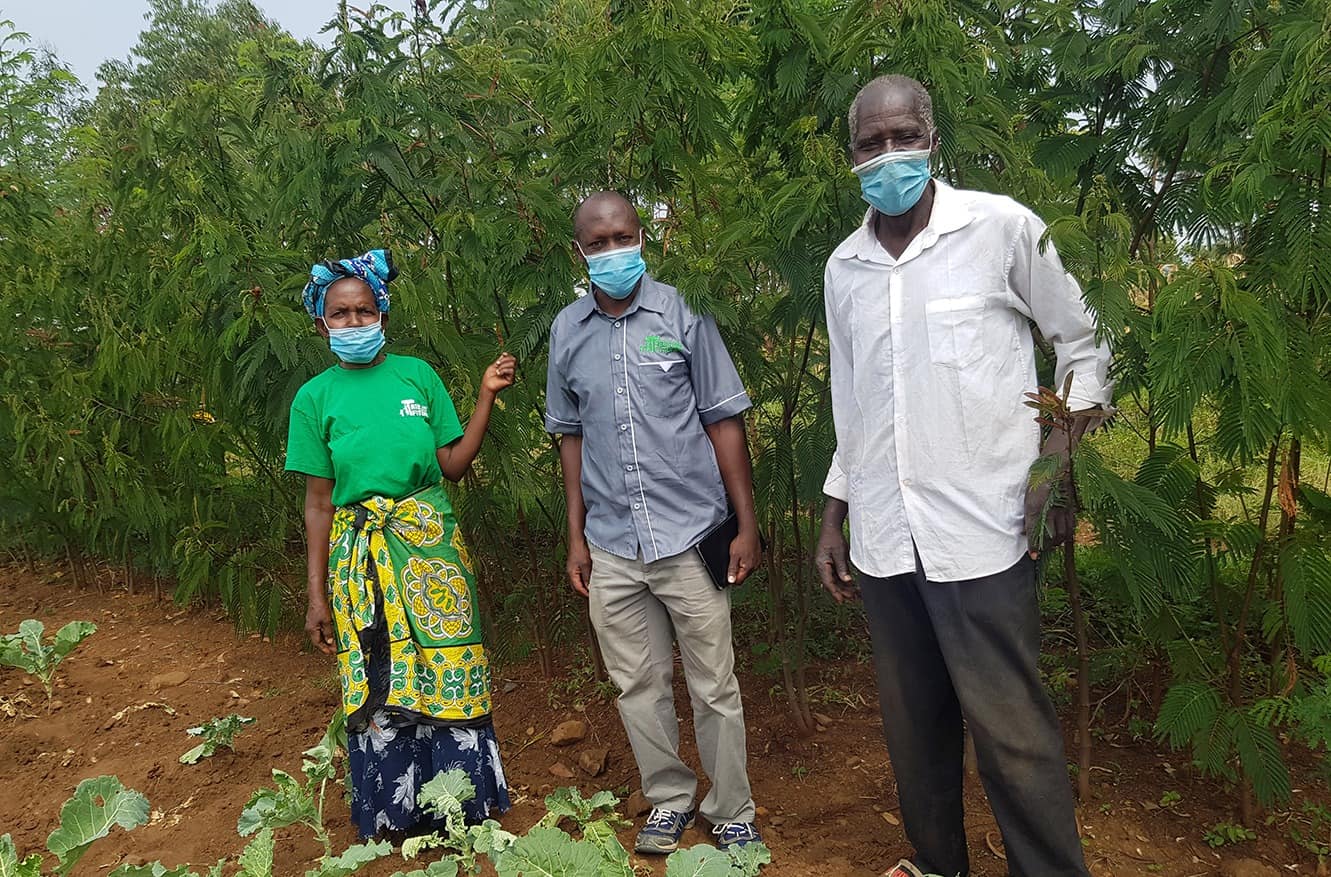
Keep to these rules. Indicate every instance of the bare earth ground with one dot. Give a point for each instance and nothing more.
(829, 800)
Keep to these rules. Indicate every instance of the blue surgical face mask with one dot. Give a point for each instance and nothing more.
(894, 181)
(357, 344)
(616, 272)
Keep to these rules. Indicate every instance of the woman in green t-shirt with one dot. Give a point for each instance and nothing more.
(391, 587)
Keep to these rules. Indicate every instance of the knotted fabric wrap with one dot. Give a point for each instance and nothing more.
(411, 552)
(375, 268)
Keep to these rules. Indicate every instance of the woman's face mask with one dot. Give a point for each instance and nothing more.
(357, 344)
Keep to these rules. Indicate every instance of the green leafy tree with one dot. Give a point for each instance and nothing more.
(153, 241)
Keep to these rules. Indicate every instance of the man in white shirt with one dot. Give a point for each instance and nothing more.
(929, 310)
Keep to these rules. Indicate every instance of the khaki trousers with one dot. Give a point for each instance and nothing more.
(638, 609)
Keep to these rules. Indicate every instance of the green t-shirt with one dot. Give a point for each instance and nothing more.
(374, 430)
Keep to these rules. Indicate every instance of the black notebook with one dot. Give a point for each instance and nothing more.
(714, 549)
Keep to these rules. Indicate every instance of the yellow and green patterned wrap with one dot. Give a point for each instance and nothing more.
(439, 669)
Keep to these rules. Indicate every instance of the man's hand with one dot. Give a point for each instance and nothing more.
(319, 624)
(746, 552)
(1061, 517)
(579, 565)
(832, 560)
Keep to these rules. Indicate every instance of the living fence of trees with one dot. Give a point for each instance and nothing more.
(154, 238)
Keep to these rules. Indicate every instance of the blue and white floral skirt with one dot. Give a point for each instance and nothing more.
(389, 765)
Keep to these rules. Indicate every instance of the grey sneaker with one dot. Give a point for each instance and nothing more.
(660, 836)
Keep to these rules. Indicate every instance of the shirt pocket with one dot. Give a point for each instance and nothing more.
(956, 330)
(663, 386)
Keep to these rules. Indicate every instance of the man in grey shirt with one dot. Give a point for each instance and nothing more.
(648, 406)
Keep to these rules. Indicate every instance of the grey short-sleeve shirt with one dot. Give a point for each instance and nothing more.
(639, 389)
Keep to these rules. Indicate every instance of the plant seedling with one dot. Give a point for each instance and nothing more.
(216, 734)
(26, 650)
(1226, 834)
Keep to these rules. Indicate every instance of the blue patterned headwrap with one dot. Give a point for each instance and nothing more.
(375, 268)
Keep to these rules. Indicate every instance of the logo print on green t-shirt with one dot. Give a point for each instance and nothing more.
(412, 408)
(657, 344)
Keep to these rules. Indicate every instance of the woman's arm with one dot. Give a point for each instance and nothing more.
(455, 459)
(318, 525)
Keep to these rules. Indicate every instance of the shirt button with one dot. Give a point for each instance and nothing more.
(619, 390)
(623, 426)
(896, 272)
(628, 468)
(617, 357)
(616, 324)
(637, 505)
(905, 482)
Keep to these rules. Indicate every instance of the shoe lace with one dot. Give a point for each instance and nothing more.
(661, 818)
(734, 831)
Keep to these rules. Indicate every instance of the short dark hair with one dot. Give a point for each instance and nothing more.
(602, 197)
(924, 105)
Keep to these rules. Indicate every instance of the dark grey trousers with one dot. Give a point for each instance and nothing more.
(944, 651)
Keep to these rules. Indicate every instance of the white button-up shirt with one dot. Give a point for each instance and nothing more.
(931, 358)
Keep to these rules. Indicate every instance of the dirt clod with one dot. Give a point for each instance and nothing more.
(567, 733)
(168, 680)
(637, 805)
(592, 761)
(1247, 868)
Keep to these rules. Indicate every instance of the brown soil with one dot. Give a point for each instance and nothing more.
(828, 800)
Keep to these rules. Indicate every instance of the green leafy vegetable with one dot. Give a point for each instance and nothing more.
(442, 868)
(548, 852)
(567, 802)
(351, 859)
(98, 805)
(749, 859)
(288, 803)
(157, 869)
(216, 734)
(256, 860)
(26, 651)
(12, 866)
(490, 839)
(699, 861)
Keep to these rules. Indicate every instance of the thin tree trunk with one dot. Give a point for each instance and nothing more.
(1144, 228)
(800, 658)
(1247, 812)
(1212, 573)
(75, 570)
(1083, 668)
(800, 692)
(1287, 492)
(1067, 422)
(777, 628)
(541, 615)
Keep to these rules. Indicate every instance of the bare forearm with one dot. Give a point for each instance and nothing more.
(456, 459)
(570, 463)
(318, 525)
(732, 458)
(834, 514)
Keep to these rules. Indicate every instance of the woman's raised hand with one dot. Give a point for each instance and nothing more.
(500, 375)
